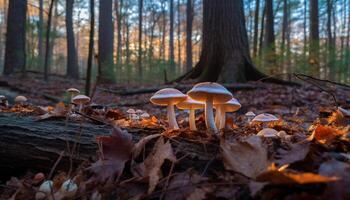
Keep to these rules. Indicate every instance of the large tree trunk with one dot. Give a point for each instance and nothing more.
(47, 45)
(314, 37)
(171, 37)
(189, 20)
(15, 55)
(91, 48)
(105, 42)
(72, 64)
(225, 52)
(269, 43)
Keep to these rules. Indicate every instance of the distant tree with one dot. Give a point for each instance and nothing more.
(139, 57)
(119, 14)
(15, 55)
(41, 33)
(225, 50)
(91, 48)
(256, 28)
(179, 33)
(171, 36)
(105, 42)
(269, 42)
(47, 45)
(314, 36)
(189, 21)
(72, 63)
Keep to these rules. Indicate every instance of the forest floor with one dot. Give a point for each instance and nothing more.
(308, 158)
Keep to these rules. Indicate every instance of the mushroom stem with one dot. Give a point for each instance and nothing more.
(192, 120)
(171, 117)
(80, 107)
(218, 115)
(222, 120)
(209, 116)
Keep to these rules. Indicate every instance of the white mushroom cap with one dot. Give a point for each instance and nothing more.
(268, 132)
(138, 111)
(20, 99)
(81, 99)
(265, 117)
(69, 188)
(217, 92)
(73, 91)
(2, 97)
(167, 96)
(229, 106)
(250, 114)
(145, 115)
(46, 187)
(131, 111)
(190, 104)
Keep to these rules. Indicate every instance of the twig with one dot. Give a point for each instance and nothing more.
(55, 165)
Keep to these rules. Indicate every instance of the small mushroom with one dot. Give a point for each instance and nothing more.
(46, 187)
(229, 106)
(145, 115)
(210, 93)
(191, 105)
(249, 116)
(139, 113)
(3, 101)
(265, 118)
(73, 92)
(81, 100)
(268, 132)
(169, 97)
(130, 112)
(69, 189)
(20, 100)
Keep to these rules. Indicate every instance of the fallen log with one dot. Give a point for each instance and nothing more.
(28, 144)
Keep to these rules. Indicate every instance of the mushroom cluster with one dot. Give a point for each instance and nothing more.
(207, 95)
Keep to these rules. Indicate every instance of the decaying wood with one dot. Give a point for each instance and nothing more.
(27, 144)
(183, 88)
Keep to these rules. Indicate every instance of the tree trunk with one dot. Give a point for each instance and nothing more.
(189, 20)
(269, 42)
(15, 52)
(179, 34)
(40, 34)
(262, 30)
(256, 28)
(47, 46)
(163, 31)
(72, 64)
(284, 26)
(171, 37)
(304, 28)
(91, 48)
(139, 57)
(314, 37)
(225, 52)
(119, 14)
(105, 42)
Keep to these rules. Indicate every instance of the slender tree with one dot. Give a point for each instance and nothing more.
(41, 33)
(269, 40)
(119, 14)
(256, 28)
(171, 36)
(47, 46)
(314, 37)
(91, 47)
(179, 33)
(105, 42)
(15, 55)
(72, 63)
(139, 58)
(189, 21)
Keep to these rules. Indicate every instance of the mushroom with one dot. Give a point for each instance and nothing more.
(46, 187)
(80, 100)
(145, 116)
(265, 118)
(210, 93)
(130, 112)
(191, 105)
(249, 116)
(3, 101)
(229, 106)
(268, 132)
(20, 100)
(69, 189)
(169, 97)
(73, 92)
(139, 112)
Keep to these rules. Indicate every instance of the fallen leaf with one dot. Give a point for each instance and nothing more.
(151, 166)
(277, 176)
(297, 152)
(116, 151)
(325, 134)
(58, 111)
(139, 146)
(247, 157)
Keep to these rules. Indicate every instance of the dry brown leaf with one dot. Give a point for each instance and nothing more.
(139, 146)
(296, 153)
(247, 157)
(59, 110)
(151, 166)
(277, 176)
(116, 151)
(325, 134)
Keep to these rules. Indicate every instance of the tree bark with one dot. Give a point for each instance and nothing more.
(40, 34)
(314, 37)
(72, 64)
(91, 48)
(139, 58)
(171, 37)
(105, 42)
(189, 20)
(269, 42)
(119, 14)
(179, 60)
(262, 30)
(47, 46)
(225, 50)
(15, 52)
